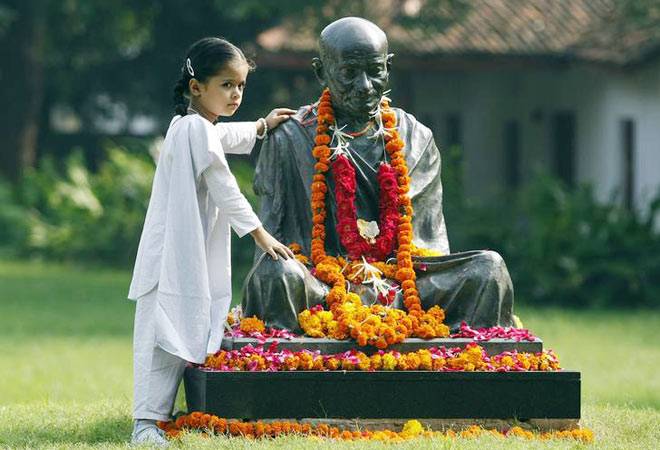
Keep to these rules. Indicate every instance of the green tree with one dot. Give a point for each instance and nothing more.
(72, 52)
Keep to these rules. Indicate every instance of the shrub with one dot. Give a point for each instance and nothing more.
(561, 245)
(84, 215)
(13, 219)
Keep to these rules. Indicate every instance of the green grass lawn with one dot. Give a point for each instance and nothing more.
(66, 381)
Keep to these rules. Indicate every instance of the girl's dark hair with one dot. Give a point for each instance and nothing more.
(207, 56)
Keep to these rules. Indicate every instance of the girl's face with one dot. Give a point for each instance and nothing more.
(221, 94)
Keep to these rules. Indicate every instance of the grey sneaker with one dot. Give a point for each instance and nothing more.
(146, 432)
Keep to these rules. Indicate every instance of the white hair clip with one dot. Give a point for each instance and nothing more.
(189, 67)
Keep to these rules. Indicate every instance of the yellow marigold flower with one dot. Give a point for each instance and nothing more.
(332, 363)
(311, 324)
(365, 362)
(439, 363)
(424, 252)
(318, 363)
(291, 362)
(389, 361)
(376, 362)
(507, 361)
(412, 428)
(306, 361)
(354, 299)
(523, 361)
(347, 364)
(332, 327)
(324, 316)
(425, 360)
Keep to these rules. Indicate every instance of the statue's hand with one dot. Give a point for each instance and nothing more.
(277, 116)
(270, 245)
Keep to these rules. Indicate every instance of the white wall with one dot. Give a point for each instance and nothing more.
(599, 97)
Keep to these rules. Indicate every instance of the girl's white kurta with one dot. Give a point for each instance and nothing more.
(185, 244)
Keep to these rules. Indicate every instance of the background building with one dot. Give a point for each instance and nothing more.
(564, 87)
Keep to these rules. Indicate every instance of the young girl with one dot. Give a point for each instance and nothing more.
(182, 276)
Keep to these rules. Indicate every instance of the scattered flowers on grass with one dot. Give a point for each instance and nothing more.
(210, 424)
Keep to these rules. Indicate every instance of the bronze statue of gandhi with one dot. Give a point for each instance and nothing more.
(354, 63)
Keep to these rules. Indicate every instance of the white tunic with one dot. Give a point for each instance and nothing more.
(185, 244)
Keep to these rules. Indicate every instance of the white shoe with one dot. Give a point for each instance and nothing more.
(147, 433)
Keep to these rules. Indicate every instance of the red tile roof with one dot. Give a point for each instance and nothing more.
(589, 30)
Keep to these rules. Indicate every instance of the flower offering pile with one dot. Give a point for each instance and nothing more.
(471, 358)
(413, 429)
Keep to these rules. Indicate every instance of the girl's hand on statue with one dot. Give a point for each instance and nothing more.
(270, 245)
(277, 116)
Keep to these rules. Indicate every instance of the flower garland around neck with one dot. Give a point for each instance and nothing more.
(378, 324)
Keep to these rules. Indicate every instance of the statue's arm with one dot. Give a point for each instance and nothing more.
(430, 229)
(268, 185)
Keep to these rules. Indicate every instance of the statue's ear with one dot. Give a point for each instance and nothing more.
(388, 62)
(319, 71)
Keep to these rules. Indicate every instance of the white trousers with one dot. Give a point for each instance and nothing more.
(156, 373)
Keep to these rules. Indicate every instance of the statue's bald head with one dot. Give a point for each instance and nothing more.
(354, 64)
(351, 35)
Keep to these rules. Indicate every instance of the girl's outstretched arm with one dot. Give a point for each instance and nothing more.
(238, 138)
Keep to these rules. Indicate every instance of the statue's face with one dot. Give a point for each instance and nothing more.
(357, 79)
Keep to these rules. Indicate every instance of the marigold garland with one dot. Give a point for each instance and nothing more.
(367, 325)
(214, 425)
(471, 358)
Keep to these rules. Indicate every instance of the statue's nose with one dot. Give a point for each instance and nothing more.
(363, 84)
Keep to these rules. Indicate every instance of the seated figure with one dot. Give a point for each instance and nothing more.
(354, 64)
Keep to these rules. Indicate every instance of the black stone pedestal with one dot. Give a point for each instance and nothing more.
(384, 394)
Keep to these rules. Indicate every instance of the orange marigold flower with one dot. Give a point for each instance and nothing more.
(394, 144)
(252, 324)
(321, 150)
(319, 186)
(388, 116)
(407, 227)
(320, 167)
(322, 139)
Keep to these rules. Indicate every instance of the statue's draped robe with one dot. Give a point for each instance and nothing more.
(472, 286)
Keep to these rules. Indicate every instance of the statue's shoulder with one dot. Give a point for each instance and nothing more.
(412, 128)
(300, 127)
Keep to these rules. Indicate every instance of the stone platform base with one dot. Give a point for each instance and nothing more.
(385, 394)
(326, 346)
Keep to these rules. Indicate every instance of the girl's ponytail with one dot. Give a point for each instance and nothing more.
(180, 102)
(204, 59)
